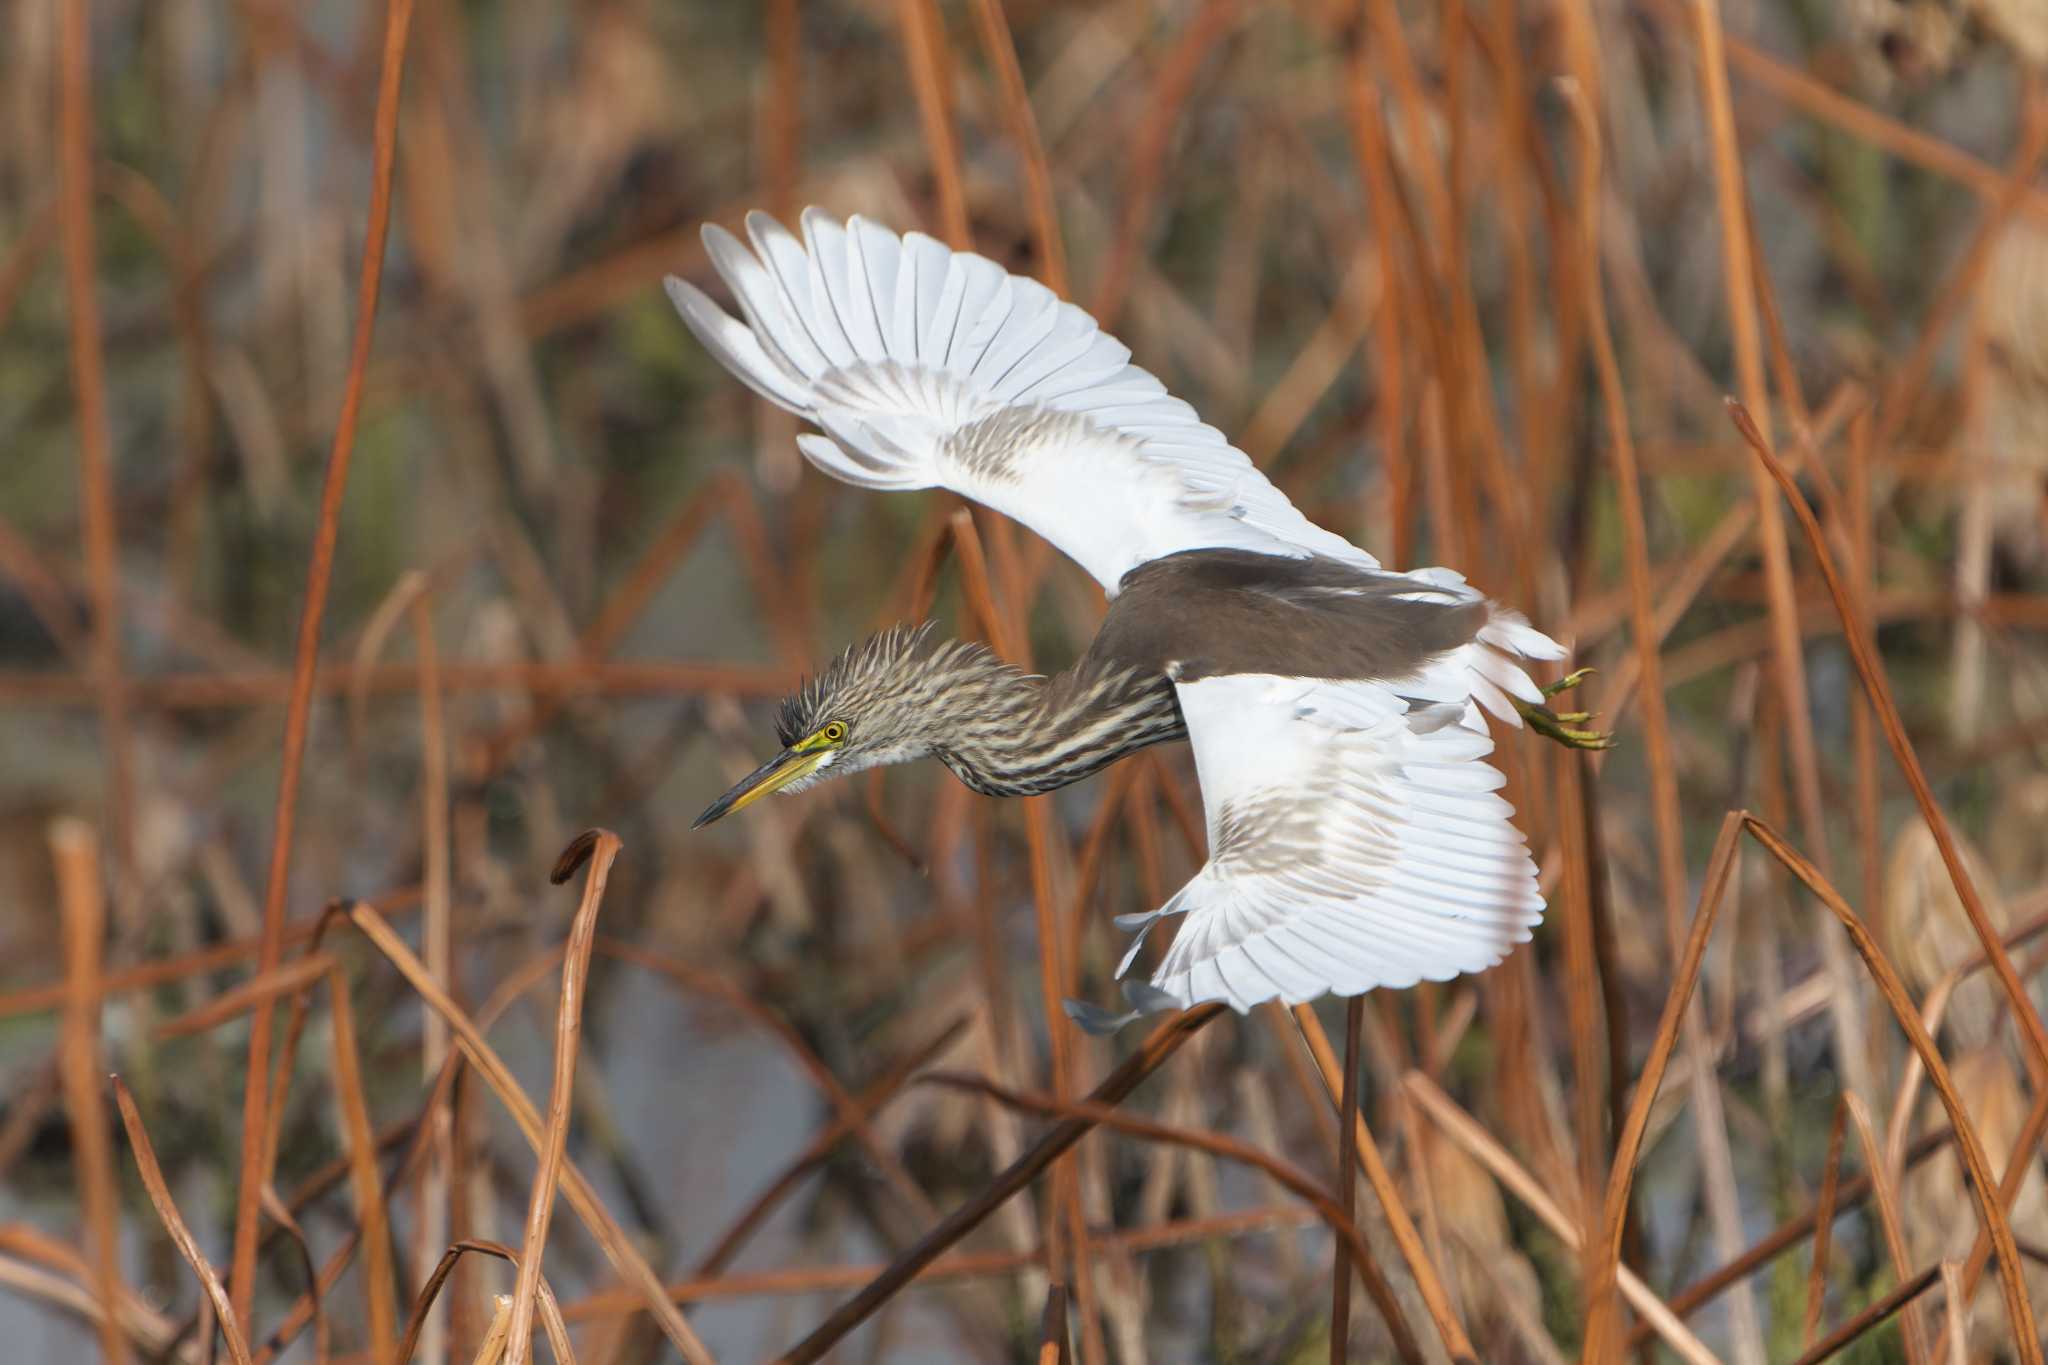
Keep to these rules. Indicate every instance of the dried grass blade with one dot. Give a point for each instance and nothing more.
(174, 1224)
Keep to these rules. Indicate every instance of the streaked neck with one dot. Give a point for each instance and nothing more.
(1033, 735)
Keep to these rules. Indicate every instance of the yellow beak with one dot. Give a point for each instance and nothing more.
(777, 773)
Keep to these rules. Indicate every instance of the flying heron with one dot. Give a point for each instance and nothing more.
(1356, 838)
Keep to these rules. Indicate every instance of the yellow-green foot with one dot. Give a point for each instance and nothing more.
(1568, 728)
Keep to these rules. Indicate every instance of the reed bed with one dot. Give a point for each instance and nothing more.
(370, 527)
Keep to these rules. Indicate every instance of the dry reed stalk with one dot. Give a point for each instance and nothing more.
(1957, 1328)
(38, 1285)
(1739, 272)
(1883, 1184)
(1053, 1338)
(19, 265)
(490, 1349)
(1427, 1279)
(1854, 1191)
(1581, 988)
(1903, 392)
(797, 1280)
(41, 999)
(1820, 101)
(1870, 1318)
(1603, 1323)
(850, 1115)
(80, 250)
(600, 847)
(1878, 689)
(1983, 1187)
(864, 1106)
(509, 991)
(1142, 168)
(437, 945)
(1152, 1053)
(502, 1338)
(1824, 1225)
(261, 989)
(197, 691)
(1066, 1228)
(619, 1250)
(372, 1218)
(298, 710)
(75, 853)
(1288, 1177)
(174, 1224)
(274, 1208)
(1347, 1179)
(1376, 177)
(1001, 50)
(924, 41)
(1470, 1135)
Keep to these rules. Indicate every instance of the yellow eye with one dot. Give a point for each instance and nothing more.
(833, 733)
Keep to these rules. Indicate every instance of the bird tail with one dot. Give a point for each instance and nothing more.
(1488, 671)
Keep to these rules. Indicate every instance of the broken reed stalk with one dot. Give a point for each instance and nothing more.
(298, 709)
(174, 1224)
(1427, 1281)
(1982, 1187)
(497, 1341)
(83, 926)
(601, 847)
(1159, 1045)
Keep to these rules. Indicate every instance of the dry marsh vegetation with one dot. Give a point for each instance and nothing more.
(369, 526)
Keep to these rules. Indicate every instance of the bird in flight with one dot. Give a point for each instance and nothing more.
(1356, 836)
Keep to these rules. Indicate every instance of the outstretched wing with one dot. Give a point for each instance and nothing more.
(1354, 842)
(927, 367)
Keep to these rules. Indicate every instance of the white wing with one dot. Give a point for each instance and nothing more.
(927, 367)
(1353, 843)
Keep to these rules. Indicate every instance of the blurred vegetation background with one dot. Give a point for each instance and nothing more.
(1380, 244)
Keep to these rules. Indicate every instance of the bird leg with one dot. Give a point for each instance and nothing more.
(1566, 727)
